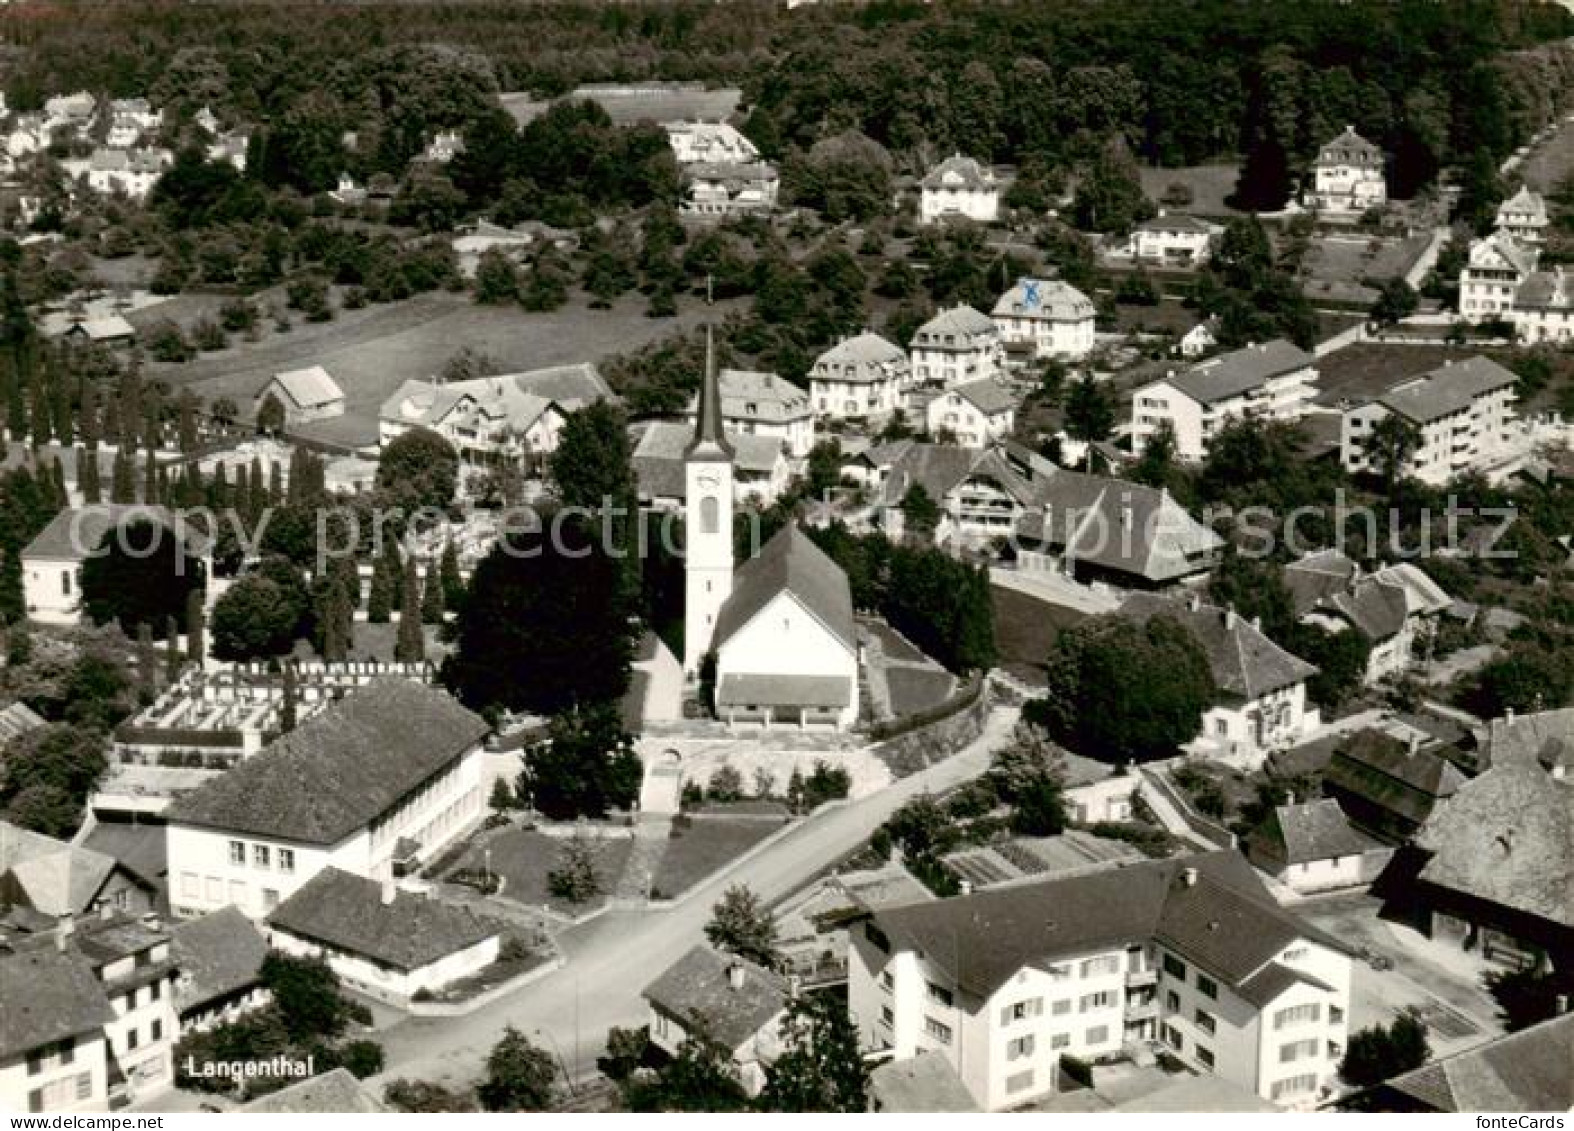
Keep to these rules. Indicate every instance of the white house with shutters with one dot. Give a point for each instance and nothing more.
(959, 187)
(1347, 175)
(975, 414)
(859, 378)
(1041, 318)
(955, 347)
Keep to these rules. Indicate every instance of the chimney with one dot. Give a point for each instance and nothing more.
(1229, 619)
(1189, 877)
(1415, 743)
(1508, 714)
(1194, 602)
(1289, 797)
(965, 887)
(390, 892)
(1560, 1005)
(64, 929)
(735, 975)
(1257, 622)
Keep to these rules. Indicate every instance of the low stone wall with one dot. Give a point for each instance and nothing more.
(923, 746)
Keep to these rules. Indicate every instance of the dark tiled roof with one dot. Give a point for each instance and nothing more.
(923, 1084)
(1226, 922)
(659, 457)
(341, 768)
(336, 1092)
(1507, 837)
(1267, 984)
(1446, 390)
(55, 877)
(218, 955)
(988, 396)
(1244, 662)
(1546, 737)
(48, 995)
(1381, 769)
(1523, 1071)
(1375, 607)
(1240, 371)
(696, 992)
(790, 563)
(1350, 148)
(77, 531)
(784, 690)
(1318, 575)
(1314, 830)
(143, 849)
(347, 913)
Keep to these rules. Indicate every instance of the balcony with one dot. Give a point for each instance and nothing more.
(1142, 976)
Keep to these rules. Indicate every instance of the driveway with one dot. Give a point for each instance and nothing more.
(611, 959)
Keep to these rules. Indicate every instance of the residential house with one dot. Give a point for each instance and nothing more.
(961, 188)
(1190, 952)
(219, 957)
(444, 147)
(1498, 877)
(811, 926)
(785, 641)
(956, 347)
(231, 149)
(382, 779)
(332, 1093)
(1502, 281)
(76, 110)
(1312, 847)
(106, 330)
(1544, 309)
(975, 414)
(1199, 339)
(1390, 786)
(726, 1002)
(1523, 216)
(1272, 380)
(304, 394)
(1462, 414)
(709, 143)
(511, 417)
(1396, 608)
(131, 172)
(862, 378)
(761, 470)
(1172, 239)
(1107, 798)
(763, 404)
(981, 496)
(385, 942)
(1261, 703)
(1041, 318)
(1523, 1071)
(59, 879)
(52, 561)
(1347, 175)
(730, 190)
(53, 1013)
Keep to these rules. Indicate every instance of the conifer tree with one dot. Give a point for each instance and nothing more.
(410, 646)
(90, 427)
(432, 595)
(150, 493)
(87, 476)
(385, 584)
(171, 650)
(123, 485)
(287, 704)
(335, 617)
(275, 483)
(453, 583)
(196, 643)
(147, 662)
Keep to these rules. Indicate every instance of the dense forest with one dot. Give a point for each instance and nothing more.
(1015, 82)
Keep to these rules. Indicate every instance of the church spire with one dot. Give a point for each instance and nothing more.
(709, 438)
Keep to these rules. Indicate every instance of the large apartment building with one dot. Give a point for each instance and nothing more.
(375, 784)
(1272, 380)
(1462, 414)
(1190, 954)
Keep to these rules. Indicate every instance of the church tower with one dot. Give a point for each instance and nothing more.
(707, 477)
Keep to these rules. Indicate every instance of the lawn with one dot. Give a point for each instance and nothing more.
(371, 351)
(523, 857)
(893, 643)
(1209, 185)
(1025, 630)
(701, 845)
(1551, 162)
(917, 689)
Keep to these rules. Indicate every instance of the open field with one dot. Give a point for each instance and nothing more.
(1551, 162)
(371, 351)
(705, 845)
(1209, 185)
(1337, 266)
(917, 689)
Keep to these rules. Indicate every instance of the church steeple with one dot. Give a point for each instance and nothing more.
(710, 441)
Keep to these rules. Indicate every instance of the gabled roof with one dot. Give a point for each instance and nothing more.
(76, 532)
(1448, 389)
(1240, 371)
(1506, 837)
(1175, 222)
(1523, 203)
(55, 877)
(1502, 247)
(923, 1084)
(106, 328)
(1049, 299)
(863, 358)
(988, 396)
(790, 563)
(307, 388)
(1375, 607)
(1523, 1071)
(337, 1092)
(218, 955)
(1225, 921)
(1310, 831)
(1381, 769)
(347, 913)
(1545, 738)
(1350, 148)
(697, 993)
(340, 769)
(958, 172)
(1244, 662)
(47, 995)
(513, 399)
(661, 446)
(940, 468)
(763, 397)
(960, 322)
(17, 718)
(1317, 575)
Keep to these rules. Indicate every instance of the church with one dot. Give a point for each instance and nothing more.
(781, 624)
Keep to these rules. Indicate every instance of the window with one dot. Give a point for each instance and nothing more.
(270, 899)
(237, 852)
(260, 855)
(1032, 1007)
(1174, 967)
(1096, 1035)
(155, 991)
(1101, 1000)
(65, 582)
(887, 1016)
(35, 1100)
(158, 1031)
(190, 887)
(938, 1031)
(1297, 1050)
(886, 981)
(1172, 1001)
(1019, 1082)
(1061, 1007)
(286, 859)
(66, 1050)
(131, 1038)
(215, 890)
(1105, 964)
(1173, 1038)
(939, 994)
(84, 1085)
(1335, 1015)
(1060, 1041)
(1205, 1057)
(1297, 1015)
(1293, 1086)
(131, 1003)
(1017, 1049)
(237, 892)
(710, 515)
(1205, 1021)
(1060, 971)
(35, 1064)
(1296, 953)
(1206, 986)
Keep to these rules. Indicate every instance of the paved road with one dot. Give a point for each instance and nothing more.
(614, 957)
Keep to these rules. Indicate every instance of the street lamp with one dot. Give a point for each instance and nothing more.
(568, 1076)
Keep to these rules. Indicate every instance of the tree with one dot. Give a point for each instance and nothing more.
(256, 618)
(410, 646)
(1340, 658)
(576, 876)
(1121, 691)
(1381, 1052)
(697, 1079)
(306, 996)
(453, 582)
(1389, 446)
(496, 278)
(740, 924)
(431, 595)
(423, 1097)
(139, 574)
(1090, 410)
(920, 513)
(1528, 996)
(1255, 589)
(545, 625)
(1110, 197)
(46, 775)
(1396, 300)
(196, 643)
(593, 464)
(519, 1076)
(847, 176)
(270, 416)
(584, 766)
(821, 1066)
(387, 583)
(418, 468)
(1029, 775)
(626, 1052)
